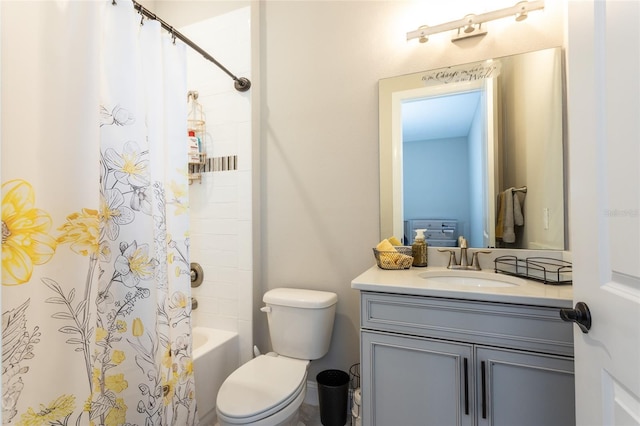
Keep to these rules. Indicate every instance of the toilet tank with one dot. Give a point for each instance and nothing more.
(300, 321)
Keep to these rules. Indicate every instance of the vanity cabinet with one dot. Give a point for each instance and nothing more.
(440, 361)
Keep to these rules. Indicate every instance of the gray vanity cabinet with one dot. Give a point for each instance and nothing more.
(523, 389)
(414, 381)
(438, 361)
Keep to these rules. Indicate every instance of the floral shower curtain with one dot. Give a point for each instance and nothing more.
(95, 271)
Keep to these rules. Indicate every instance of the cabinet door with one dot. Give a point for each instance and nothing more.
(521, 388)
(411, 381)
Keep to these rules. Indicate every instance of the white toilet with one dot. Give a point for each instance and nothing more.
(269, 389)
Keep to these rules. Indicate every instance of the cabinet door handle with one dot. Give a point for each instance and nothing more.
(466, 387)
(484, 389)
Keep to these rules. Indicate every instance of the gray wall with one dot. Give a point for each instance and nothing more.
(426, 194)
(320, 62)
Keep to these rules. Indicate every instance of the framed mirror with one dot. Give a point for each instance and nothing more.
(476, 150)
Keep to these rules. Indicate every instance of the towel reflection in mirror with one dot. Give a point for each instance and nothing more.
(509, 206)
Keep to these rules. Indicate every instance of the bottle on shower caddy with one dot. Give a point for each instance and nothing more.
(194, 147)
(419, 249)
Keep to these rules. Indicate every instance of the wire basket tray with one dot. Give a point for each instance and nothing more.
(543, 269)
(399, 259)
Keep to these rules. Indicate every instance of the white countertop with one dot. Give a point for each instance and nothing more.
(409, 282)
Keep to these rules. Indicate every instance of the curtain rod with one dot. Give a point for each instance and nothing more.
(241, 84)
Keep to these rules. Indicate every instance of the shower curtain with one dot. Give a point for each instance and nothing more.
(96, 301)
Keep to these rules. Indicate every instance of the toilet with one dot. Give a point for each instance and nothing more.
(269, 389)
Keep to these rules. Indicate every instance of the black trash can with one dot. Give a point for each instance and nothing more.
(333, 393)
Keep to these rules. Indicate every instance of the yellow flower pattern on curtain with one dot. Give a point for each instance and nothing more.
(118, 320)
(25, 233)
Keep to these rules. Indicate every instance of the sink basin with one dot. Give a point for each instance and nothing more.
(470, 279)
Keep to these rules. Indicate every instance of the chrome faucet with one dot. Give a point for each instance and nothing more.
(462, 243)
(464, 260)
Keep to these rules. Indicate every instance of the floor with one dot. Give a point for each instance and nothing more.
(310, 416)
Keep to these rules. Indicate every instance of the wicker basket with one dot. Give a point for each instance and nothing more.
(399, 259)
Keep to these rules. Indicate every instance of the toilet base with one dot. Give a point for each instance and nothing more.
(288, 416)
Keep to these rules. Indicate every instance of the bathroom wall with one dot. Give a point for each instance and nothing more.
(221, 204)
(321, 62)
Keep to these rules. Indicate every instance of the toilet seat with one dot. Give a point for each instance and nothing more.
(260, 388)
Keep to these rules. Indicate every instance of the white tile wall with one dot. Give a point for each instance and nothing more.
(220, 206)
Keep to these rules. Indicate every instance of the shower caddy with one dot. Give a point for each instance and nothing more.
(196, 123)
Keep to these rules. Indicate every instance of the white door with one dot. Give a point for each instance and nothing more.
(604, 132)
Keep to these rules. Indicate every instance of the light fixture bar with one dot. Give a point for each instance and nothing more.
(520, 9)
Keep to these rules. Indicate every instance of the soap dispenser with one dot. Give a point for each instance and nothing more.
(419, 249)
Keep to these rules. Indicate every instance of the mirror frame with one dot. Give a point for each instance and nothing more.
(393, 89)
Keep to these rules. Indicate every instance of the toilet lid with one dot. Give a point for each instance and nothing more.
(261, 387)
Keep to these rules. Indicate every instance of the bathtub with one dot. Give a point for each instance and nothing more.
(215, 356)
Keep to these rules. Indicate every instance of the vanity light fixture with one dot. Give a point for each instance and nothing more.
(471, 25)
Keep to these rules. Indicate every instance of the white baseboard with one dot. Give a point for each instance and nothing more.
(311, 398)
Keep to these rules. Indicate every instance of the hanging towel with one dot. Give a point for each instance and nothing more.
(509, 214)
(508, 232)
(518, 199)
